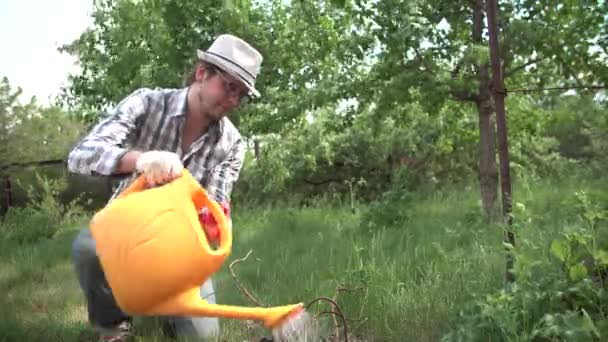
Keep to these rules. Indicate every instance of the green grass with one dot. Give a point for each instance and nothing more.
(411, 277)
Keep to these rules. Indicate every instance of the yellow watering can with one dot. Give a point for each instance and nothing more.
(155, 254)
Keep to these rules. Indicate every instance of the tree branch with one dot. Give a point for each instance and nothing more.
(422, 61)
(238, 283)
(478, 12)
(522, 66)
(454, 73)
(570, 72)
(463, 95)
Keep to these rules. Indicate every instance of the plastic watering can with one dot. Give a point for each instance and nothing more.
(155, 254)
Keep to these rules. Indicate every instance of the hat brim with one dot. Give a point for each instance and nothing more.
(223, 65)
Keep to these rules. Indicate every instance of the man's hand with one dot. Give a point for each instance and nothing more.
(159, 167)
(209, 224)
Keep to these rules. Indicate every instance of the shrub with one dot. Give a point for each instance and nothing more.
(560, 294)
(44, 216)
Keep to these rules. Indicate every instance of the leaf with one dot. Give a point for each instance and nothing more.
(577, 272)
(339, 3)
(602, 257)
(560, 249)
(588, 324)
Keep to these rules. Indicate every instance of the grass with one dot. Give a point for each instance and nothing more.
(411, 277)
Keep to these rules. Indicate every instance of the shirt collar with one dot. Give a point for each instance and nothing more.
(181, 103)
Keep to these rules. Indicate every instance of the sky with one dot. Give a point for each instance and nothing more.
(30, 33)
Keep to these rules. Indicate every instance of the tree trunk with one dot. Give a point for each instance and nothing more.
(488, 170)
(501, 128)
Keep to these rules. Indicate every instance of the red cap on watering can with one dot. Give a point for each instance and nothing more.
(209, 224)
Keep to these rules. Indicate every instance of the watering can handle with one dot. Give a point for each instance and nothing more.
(201, 199)
(139, 184)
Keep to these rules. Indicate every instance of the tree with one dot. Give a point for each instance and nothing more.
(31, 135)
(382, 54)
(440, 47)
(152, 43)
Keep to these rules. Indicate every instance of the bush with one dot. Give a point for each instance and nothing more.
(391, 208)
(560, 292)
(44, 216)
(333, 150)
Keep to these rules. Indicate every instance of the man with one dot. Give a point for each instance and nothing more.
(157, 133)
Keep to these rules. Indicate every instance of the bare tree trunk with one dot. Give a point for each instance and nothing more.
(501, 127)
(488, 170)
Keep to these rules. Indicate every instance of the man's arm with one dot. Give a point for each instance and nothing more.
(224, 175)
(127, 163)
(100, 151)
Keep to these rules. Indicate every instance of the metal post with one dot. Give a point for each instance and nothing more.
(501, 130)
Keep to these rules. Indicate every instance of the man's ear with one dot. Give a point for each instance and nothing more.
(200, 73)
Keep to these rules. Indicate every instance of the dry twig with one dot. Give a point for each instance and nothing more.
(238, 282)
(336, 312)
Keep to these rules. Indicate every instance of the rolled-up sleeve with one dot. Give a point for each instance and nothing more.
(99, 152)
(225, 174)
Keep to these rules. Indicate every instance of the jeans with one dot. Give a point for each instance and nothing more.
(102, 308)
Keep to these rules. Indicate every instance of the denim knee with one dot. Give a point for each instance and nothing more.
(83, 247)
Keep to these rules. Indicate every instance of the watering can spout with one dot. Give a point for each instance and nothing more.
(190, 303)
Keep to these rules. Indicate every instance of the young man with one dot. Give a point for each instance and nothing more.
(157, 133)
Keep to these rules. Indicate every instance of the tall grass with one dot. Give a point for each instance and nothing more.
(412, 264)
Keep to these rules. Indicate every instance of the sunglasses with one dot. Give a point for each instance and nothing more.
(234, 88)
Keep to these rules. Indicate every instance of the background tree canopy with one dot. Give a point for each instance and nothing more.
(358, 89)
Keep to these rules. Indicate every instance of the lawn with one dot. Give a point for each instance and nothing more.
(404, 270)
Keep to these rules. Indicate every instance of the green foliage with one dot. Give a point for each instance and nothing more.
(149, 43)
(408, 148)
(422, 268)
(436, 45)
(580, 123)
(30, 133)
(350, 88)
(371, 150)
(44, 216)
(425, 267)
(549, 137)
(557, 296)
(392, 208)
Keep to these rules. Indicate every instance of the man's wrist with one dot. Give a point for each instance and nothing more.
(128, 162)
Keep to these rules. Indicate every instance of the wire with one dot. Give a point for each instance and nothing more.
(523, 90)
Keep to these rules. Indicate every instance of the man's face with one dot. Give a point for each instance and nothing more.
(220, 93)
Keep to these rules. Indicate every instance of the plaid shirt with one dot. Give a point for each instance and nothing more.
(152, 120)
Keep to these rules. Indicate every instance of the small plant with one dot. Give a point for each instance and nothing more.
(562, 297)
(44, 215)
